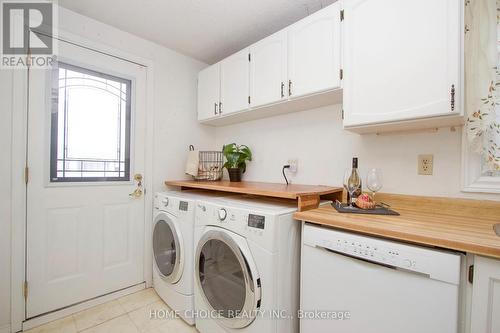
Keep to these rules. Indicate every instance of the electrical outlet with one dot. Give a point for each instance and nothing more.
(293, 165)
(425, 164)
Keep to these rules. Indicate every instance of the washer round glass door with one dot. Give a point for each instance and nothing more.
(167, 248)
(228, 278)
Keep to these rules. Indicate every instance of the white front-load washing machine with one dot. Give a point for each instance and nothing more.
(173, 259)
(246, 266)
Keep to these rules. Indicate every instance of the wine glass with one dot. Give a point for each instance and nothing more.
(351, 183)
(374, 181)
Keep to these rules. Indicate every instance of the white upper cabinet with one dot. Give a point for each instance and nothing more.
(295, 69)
(268, 64)
(401, 60)
(485, 309)
(235, 82)
(209, 92)
(314, 52)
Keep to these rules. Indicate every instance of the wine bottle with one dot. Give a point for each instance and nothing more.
(354, 178)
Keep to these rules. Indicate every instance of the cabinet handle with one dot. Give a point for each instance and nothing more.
(289, 87)
(282, 90)
(215, 108)
(452, 93)
(220, 107)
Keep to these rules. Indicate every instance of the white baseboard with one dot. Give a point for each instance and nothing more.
(37, 321)
(5, 329)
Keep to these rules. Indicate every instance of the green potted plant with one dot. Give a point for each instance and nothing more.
(236, 158)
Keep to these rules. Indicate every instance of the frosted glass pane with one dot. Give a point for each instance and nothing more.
(90, 126)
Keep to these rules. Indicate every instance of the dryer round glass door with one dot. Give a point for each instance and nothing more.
(167, 248)
(228, 279)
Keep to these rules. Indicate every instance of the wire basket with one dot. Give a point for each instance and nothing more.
(210, 166)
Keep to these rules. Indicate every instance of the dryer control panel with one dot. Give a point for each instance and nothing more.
(256, 221)
(256, 225)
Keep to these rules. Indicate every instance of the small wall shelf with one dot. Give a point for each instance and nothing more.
(307, 196)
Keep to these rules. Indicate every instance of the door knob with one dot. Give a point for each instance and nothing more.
(137, 193)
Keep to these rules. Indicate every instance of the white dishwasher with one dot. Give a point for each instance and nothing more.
(357, 284)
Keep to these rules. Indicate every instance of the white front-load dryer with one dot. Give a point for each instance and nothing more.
(172, 240)
(246, 266)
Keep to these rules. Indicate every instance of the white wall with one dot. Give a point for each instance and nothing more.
(5, 194)
(325, 150)
(175, 125)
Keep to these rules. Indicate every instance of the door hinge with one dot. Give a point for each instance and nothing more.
(249, 57)
(26, 174)
(25, 290)
(341, 74)
(342, 15)
(470, 276)
(342, 114)
(248, 99)
(452, 94)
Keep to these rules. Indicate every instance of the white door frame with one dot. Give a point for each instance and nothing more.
(19, 152)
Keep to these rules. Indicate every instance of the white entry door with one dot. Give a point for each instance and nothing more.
(86, 141)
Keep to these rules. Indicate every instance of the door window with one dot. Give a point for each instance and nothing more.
(164, 247)
(222, 278)
(90, 126)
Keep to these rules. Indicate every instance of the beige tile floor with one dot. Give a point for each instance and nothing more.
(129, 314)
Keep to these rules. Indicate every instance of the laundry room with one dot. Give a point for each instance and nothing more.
(285, 166)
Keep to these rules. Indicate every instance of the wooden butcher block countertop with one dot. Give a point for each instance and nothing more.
(457, 224)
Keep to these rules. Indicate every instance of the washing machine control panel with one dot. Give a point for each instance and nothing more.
(173, 205)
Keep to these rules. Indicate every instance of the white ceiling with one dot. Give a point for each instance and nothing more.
(207, 30)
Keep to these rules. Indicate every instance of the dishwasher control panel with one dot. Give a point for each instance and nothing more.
(435, 263)
(371, 251)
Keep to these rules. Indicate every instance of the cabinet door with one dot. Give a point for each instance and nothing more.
(268, 77)
(401, 59)
(209, 92)
(485, 315)
(235, 72)
(314, 52)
